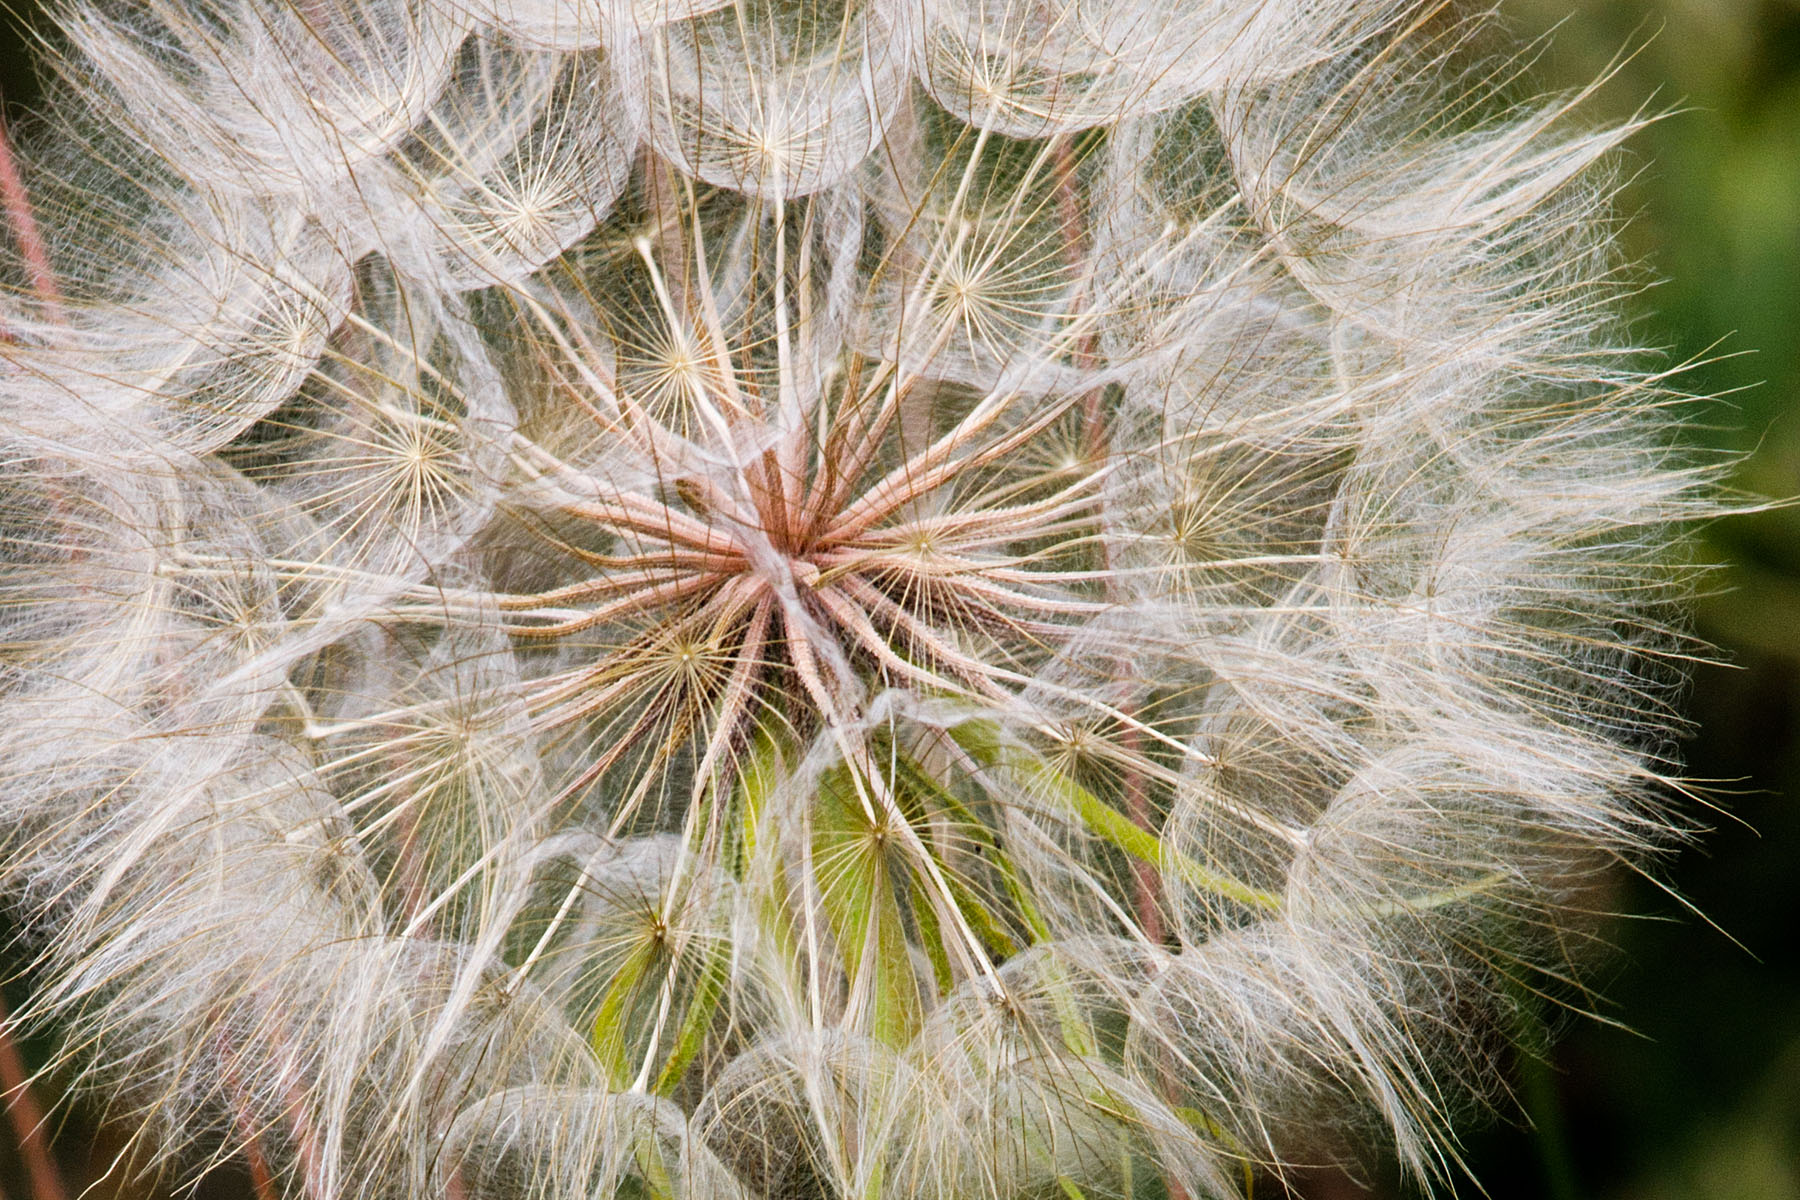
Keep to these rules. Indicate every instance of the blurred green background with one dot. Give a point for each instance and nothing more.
(1701, 1097)
(1697, 1096)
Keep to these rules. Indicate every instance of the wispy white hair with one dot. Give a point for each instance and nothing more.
(816, 598)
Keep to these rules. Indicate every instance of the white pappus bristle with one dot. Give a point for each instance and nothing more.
(816, 599)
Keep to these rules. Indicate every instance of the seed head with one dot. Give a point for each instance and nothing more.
(797, 598)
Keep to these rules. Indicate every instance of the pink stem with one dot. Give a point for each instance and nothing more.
(1146, 881)
(27, 1117)
(1068, 209)
(17, 204)
(262, 1180)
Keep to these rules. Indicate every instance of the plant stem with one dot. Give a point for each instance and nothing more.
(17, 203)
(27, 1117)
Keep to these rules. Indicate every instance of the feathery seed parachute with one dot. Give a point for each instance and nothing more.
(802, 599)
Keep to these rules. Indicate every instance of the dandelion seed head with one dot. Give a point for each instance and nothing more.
(808, 599)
